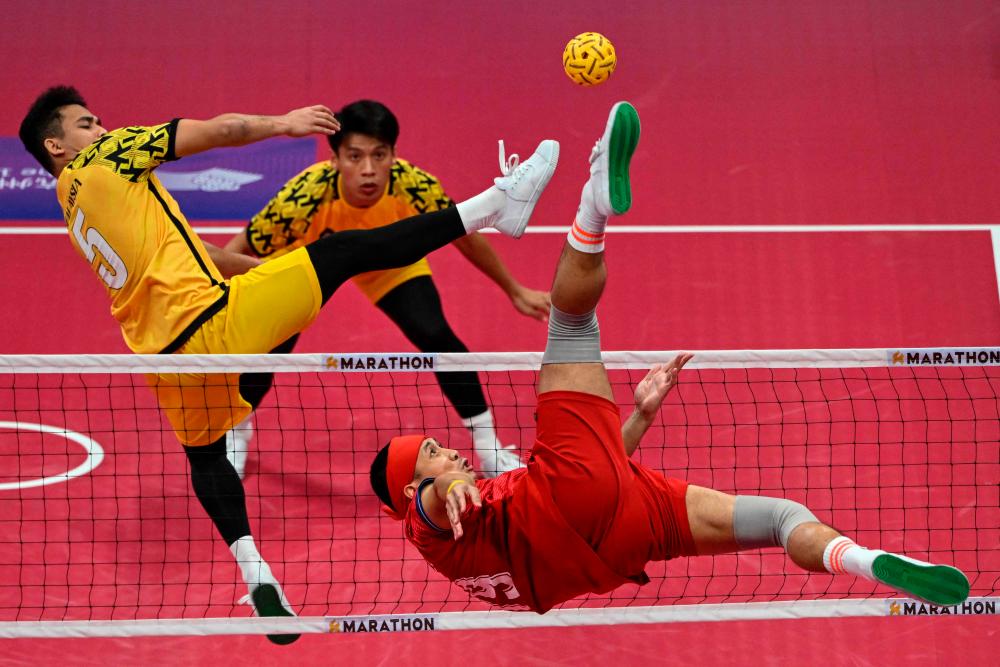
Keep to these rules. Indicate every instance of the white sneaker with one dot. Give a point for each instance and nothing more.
(267, 600)
(609, 161)
(523, 184)
(238, 445)
(494, 462)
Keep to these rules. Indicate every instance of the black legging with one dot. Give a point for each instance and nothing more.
(415, 307)
(219, 489)
(343, 255)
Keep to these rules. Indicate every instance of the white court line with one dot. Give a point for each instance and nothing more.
(994, 231)
(28, 230)
(95, 454)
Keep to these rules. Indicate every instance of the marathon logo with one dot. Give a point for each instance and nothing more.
(383, 624)
(967, 356)
(380, 362)
(971, 607)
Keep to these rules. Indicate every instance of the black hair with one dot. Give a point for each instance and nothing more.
(377, 476)
(43, 121)
(366, 117)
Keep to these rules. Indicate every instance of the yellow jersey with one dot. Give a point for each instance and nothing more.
(122, 220)
(310, 206)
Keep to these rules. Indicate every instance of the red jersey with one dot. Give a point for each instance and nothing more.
(519, 551)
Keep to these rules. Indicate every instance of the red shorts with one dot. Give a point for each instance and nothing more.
(629, 514)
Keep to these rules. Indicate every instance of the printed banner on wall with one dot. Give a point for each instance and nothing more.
(222, 184)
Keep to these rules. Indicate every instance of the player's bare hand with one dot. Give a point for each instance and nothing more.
(316, 119)
(653, 388)
(457, 500)
(532, 303)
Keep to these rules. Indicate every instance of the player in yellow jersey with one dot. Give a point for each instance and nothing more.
(169, 296)
(364, 185)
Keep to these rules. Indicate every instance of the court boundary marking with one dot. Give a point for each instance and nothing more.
(95, 454)
(29, 230)
(994, 230)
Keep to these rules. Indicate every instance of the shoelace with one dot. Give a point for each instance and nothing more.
(595, 151)
(507, 164)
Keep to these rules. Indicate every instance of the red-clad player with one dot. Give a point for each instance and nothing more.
(582, 518)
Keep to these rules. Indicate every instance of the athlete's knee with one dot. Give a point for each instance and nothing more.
(572, 338)
(206, 455)
(333, 260)
(254, 386)
(759, 521)
(327, 251)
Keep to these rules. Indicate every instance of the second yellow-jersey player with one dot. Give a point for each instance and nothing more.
(312, 204)
(364, 185)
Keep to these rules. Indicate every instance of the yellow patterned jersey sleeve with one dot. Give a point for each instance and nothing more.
(310, 206)
(290, 214)
(417, 188)
(131, 152)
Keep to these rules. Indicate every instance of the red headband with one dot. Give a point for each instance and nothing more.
(399, 469)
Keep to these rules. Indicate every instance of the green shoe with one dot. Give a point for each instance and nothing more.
(939, 585)
(267, 601)
(609, 161)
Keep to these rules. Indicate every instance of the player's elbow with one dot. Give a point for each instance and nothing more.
(230, 131)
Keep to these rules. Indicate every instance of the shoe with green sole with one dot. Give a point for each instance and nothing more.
(940, 585)
(609, 161)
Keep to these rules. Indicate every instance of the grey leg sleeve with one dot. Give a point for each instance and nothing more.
(759, 521)
(573, 339)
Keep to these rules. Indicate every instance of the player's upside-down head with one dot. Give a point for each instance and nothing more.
(400, 467)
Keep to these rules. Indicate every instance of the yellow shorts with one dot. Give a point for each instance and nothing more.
(376, 284)
(266, 306)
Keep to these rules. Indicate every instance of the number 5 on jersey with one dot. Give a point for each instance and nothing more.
(111, 268)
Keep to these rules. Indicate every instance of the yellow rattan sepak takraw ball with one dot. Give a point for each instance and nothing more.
(589, 59)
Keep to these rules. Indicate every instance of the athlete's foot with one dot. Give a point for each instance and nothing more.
(268, 600)
(940, 585)
(494, 462)
(523, 183)
(609, 161)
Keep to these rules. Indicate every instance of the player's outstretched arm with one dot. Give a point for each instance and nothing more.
(233, 129)
(447, 498)
(481, 254)
(649, 395)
